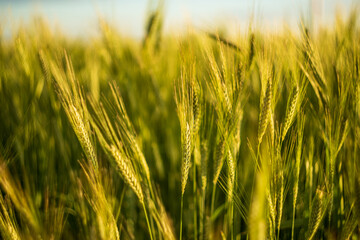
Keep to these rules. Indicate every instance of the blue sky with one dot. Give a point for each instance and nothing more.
(79, 17)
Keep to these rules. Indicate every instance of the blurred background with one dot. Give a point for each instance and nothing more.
(79, 18)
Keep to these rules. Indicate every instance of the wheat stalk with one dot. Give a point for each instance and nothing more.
(257, 219)
(297, 169)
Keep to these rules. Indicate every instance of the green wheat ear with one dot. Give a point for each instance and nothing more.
(290, 111)
(219, 158)
(231, 173)
(265, 111)
(318, 210)
(204, 164)
(196, 107)
(44, 66)
(186, 158)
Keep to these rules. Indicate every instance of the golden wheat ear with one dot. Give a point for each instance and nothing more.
(127, 172)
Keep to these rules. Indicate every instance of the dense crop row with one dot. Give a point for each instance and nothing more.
(194, 137)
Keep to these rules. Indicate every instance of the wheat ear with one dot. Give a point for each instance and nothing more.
(265, 112)
(127, 172)
(186, 158)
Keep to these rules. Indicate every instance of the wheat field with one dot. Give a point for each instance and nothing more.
(198, 136)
